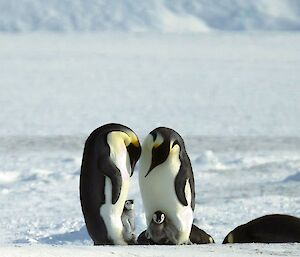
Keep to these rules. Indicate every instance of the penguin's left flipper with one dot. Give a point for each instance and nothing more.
(180, 182)
(110, 170)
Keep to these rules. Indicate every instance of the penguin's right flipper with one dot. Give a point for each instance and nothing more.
(110, 170)
(199, 236)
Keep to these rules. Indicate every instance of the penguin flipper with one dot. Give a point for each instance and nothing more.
(180, 182)
(110, 170)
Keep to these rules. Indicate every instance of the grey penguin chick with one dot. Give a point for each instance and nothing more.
(161, 230)
(127, 217)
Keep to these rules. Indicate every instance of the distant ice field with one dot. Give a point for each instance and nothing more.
(207, 84)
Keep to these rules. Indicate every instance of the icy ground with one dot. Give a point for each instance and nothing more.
(235, 99)
(237, 179)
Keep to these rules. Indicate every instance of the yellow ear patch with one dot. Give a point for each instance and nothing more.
(156, 145)
(230, 238)
(133, 139)
(135, 142)
(158, 141)
(211, 240)
(175, 149)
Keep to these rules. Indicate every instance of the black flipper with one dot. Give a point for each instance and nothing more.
(180, 182)
(183, 175)
(109, 169)
(192, 185)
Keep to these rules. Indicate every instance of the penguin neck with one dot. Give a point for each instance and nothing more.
(118, 153)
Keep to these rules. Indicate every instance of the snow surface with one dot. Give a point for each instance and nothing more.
(180, 16)
(210, 84)
(235, 98)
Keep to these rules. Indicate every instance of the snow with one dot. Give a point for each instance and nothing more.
(155, 251)
(241, 84)
(234, 97)
(181, 16)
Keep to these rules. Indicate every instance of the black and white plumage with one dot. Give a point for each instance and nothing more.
(109, 158)
(167, 182)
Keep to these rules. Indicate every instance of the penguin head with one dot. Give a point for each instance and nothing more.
(163, 142)
(119, 132)
(133, 148)
(240, 234)
(129, 205)
(158, 217)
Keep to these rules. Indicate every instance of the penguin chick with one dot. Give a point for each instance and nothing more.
(128, 222)
(197, 236)
(161, 230)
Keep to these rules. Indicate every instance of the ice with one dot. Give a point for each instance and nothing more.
(234, 97)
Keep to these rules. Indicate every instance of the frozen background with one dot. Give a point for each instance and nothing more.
(224, 74)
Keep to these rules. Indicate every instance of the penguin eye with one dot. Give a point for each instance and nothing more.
(175, 143)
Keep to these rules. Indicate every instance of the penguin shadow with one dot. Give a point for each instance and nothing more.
(67, 238)
(81, 236)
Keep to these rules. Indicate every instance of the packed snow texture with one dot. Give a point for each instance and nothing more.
(234, 98)
(154, 15)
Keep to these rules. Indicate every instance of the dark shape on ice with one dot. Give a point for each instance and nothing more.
(275, 228)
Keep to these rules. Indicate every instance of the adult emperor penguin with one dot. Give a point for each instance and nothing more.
(167, 182)
(109, 158)
(274, 228)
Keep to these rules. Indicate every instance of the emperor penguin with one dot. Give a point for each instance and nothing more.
(127, 217)
(274, 228)
(109, 157)
(167, 182)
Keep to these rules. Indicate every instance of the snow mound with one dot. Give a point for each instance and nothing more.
(164, 16)
(7, 177)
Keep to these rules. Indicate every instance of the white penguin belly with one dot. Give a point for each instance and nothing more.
(111, 213)
(158, 193)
